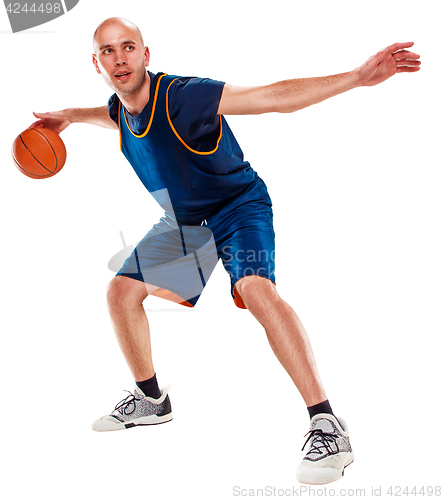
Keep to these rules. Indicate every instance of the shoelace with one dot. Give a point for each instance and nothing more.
(320, 440)
(123, 405)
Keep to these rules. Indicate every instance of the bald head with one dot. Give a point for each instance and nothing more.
(121, 58)
(115, 22)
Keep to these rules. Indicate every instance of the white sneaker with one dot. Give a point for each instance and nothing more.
(136, 409)
(329, 450)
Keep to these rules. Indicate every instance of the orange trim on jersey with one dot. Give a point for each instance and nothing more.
(119, 127)
(152, 113)
(179, 138)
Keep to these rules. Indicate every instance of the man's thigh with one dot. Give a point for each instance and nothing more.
(246, 243)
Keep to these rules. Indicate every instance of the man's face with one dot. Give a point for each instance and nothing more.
(120, 57)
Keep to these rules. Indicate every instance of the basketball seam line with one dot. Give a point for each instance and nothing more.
(27, 171)
(50, 145)
(30, 152)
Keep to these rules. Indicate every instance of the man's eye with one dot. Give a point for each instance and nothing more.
(130, 47)
(107, 51)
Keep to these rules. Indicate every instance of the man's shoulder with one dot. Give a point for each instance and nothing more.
(113, 100)
(195, 91)
(195, 82)
(113, 103)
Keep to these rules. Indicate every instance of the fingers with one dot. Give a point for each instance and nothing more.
(397, 52)
(43, 120)
(408, 64)
(398, 46)
(36, 124)
(42, 115)
(407, 69)
(406, 61)
(405, 54)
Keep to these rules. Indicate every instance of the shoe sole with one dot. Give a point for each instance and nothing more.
(349, 460)
(118, 426)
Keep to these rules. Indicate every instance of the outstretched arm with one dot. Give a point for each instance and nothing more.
(59, 120)
(291, 95)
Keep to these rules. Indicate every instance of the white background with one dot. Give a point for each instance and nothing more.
(356, 183)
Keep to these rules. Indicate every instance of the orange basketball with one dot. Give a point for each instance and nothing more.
(39, 153)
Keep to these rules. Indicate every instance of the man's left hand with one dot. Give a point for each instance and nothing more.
(393, 59)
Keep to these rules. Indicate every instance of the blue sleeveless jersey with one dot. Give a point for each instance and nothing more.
(198, 183)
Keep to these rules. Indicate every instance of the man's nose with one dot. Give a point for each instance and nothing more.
(120, 59)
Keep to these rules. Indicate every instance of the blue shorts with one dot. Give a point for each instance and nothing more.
(179, 259)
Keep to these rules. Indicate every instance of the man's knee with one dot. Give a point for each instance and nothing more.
(255, 290)
(125, 292)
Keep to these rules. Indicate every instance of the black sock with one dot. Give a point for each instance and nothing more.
(323, 407)
(150, 387)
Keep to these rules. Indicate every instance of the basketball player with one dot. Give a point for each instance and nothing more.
(174, 134)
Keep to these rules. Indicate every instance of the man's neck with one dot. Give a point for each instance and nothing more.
(135, 103)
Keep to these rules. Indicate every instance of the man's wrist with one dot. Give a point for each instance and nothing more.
(69, 115)
(355, 78)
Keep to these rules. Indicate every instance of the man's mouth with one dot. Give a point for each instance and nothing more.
(121, 77)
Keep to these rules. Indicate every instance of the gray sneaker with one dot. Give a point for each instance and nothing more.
(329, 450)
(136, 409)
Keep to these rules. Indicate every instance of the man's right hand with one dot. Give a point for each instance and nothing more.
(55, 120)
(59, 120)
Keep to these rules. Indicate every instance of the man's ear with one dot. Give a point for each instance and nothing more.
(95, 62)
(147, 56)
